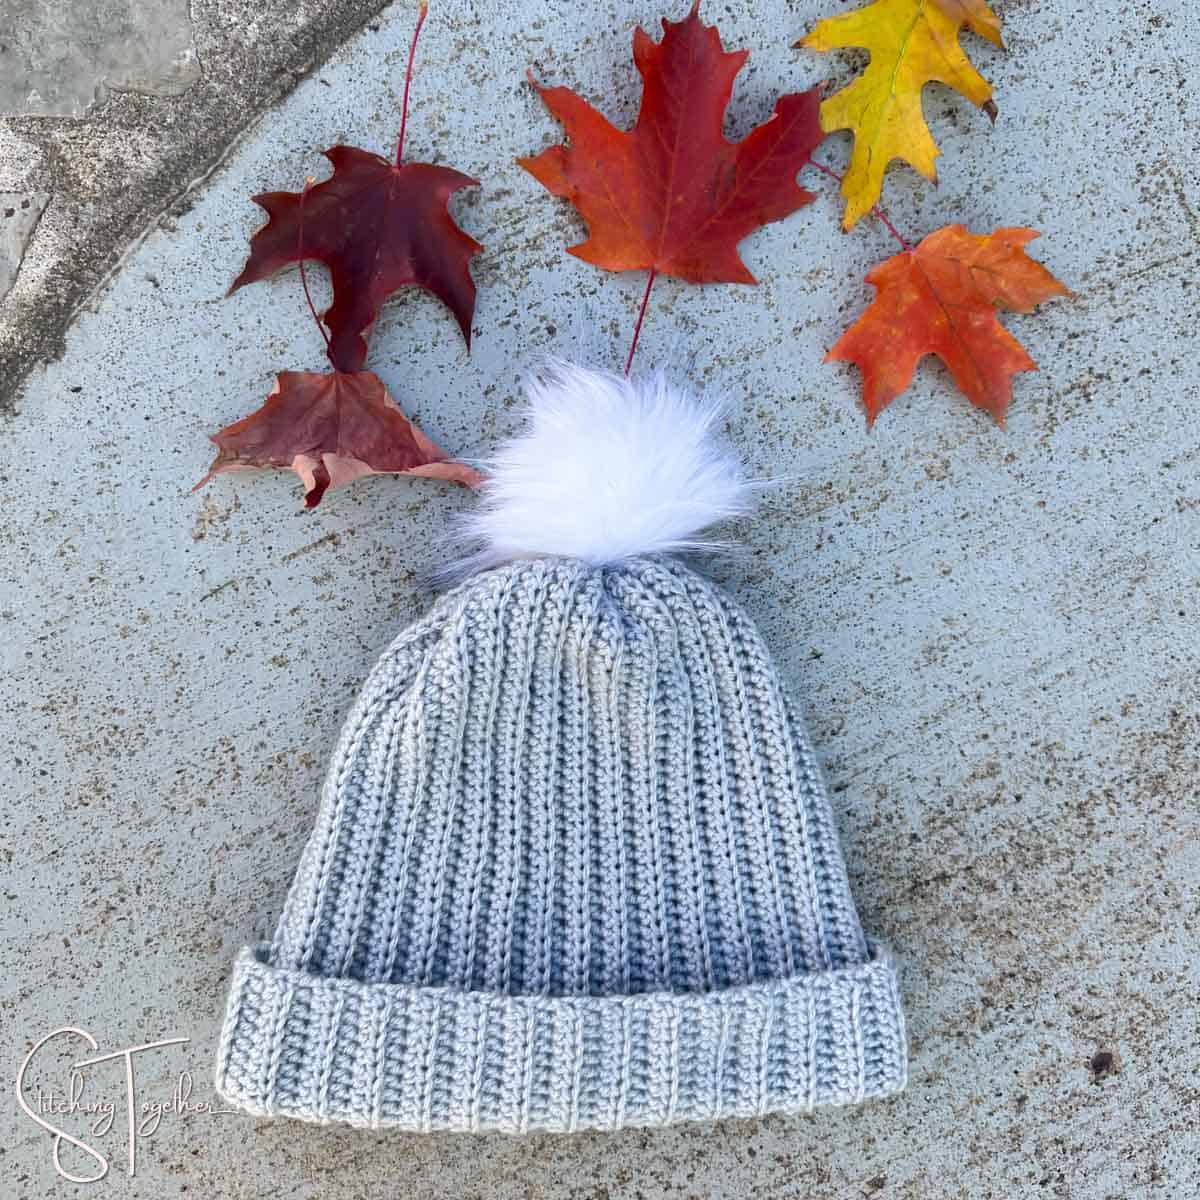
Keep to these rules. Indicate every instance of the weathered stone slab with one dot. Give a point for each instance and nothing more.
(19, 215)
(58, 57)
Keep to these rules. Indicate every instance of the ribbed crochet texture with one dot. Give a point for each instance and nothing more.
(574, 867)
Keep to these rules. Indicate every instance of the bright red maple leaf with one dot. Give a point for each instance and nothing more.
(674, 195)
(331, 428)
(941, 297)
(377, 226)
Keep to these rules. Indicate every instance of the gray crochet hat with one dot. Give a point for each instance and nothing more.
(574, 866)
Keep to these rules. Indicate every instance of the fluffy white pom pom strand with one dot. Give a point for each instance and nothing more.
(608, 468)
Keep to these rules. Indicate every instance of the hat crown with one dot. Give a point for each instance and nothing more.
(572, 780)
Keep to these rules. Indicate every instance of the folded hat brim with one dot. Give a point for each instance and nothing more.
(385, 1055)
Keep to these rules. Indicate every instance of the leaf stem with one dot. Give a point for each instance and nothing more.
(312, 308)
(408, 74)
(876, 211)
(637, 329)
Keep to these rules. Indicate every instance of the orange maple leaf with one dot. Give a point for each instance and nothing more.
(673, 195)
(941, 298)
(331, 428)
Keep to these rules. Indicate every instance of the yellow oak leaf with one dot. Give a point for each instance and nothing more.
(911, 43)
(976, 15)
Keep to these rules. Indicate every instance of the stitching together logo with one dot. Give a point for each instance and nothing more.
(143, 1116)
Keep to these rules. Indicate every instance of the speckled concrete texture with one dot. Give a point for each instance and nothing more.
(993, 634)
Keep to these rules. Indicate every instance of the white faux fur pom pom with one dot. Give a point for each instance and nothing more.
(606, 469)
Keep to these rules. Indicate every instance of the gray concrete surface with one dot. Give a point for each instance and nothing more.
(993, 634)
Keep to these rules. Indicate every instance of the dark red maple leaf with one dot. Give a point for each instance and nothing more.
(331, 428)
(378, 227)
(673, 194)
